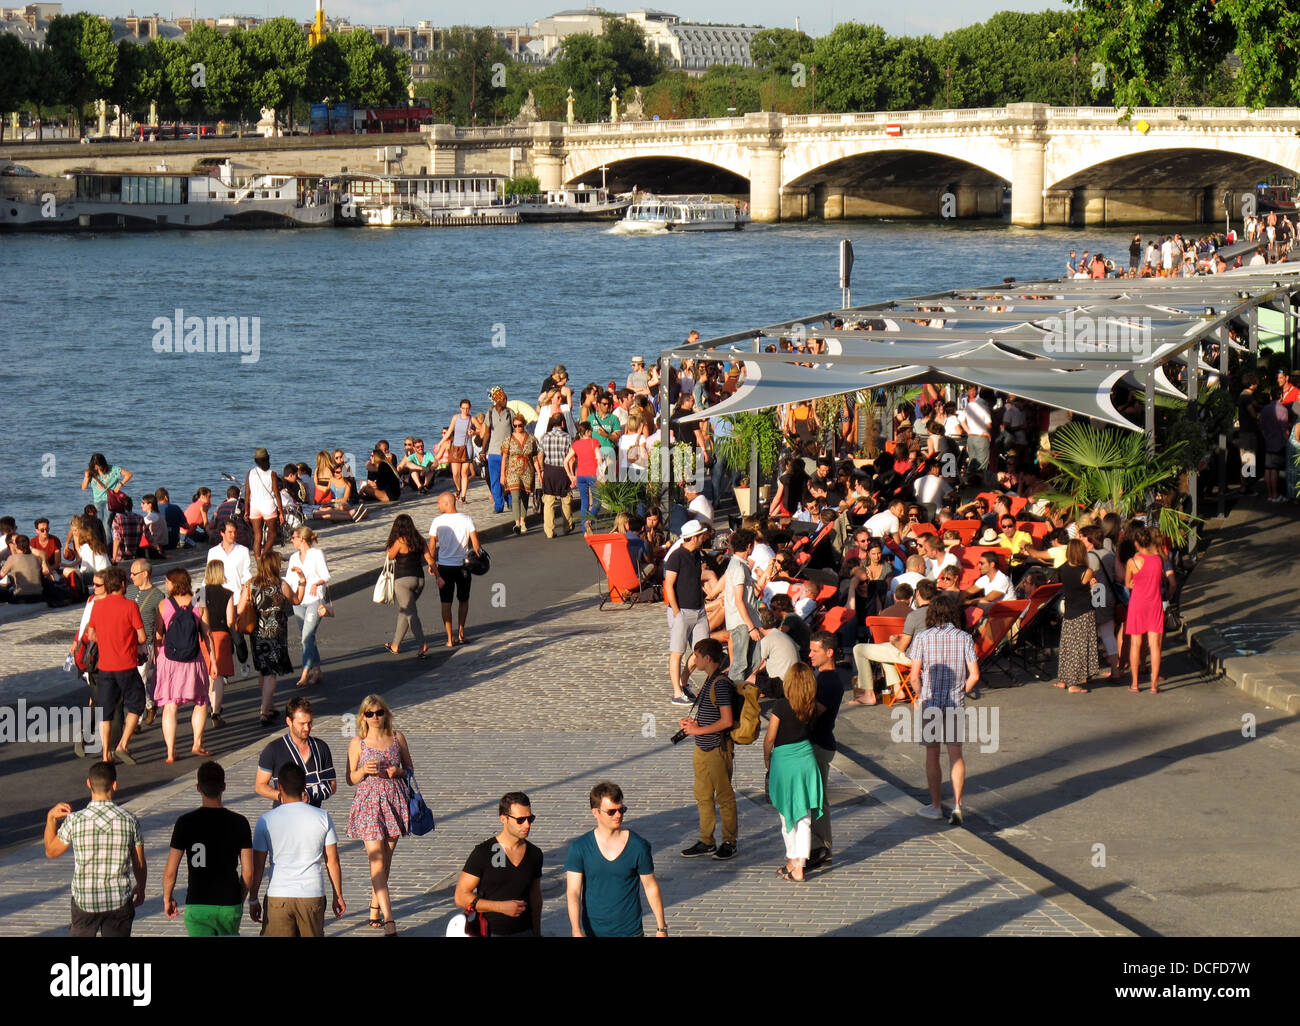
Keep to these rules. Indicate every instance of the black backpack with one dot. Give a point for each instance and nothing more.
(181, 642)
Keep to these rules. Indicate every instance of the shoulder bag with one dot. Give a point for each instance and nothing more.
(384, 587)
(421, 816)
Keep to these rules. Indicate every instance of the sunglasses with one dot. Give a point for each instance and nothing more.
(519, 423)
(620, 811)
(97, 584)
(373, 713)
(521, 820)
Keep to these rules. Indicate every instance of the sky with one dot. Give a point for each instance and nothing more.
(816, 17)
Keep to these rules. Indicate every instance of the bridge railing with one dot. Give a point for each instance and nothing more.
(1175, 113)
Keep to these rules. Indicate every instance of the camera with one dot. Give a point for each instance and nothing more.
(679, 737)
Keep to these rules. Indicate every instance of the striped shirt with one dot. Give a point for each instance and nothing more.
(102, 836)
(943, 653)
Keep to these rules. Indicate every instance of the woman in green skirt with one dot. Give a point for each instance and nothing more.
(794, 784)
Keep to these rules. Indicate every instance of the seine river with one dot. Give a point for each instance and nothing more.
(366, 333)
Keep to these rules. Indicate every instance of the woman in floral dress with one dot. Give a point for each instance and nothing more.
(520, 468)
(268, 594)
(378, 764)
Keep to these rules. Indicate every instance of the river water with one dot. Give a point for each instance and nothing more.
(366, 334)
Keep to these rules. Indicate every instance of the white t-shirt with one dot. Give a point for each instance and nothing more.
(930, 489)
(702, 510)
(295, 835)
(762, 556)
(933, 566)
(882, 524)
(976, 418)
(91, 562)
(314, 570)
(952, 427)
(780, 652)
(805, 606)
(155, 529)
(238, 564)
(999, 582)
(544, 421)
(452, 531)
(738, 573)
(911, 577)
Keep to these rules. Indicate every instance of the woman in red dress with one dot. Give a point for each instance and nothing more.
(1146, 614)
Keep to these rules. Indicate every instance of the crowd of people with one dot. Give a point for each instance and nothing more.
(1173, 256)
(939, 533)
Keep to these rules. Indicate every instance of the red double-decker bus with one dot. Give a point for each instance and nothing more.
(145, 133)
(374, 120)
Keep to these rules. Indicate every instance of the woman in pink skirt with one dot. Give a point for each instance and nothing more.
(1146, 612)
(185, 663)
(378, 765)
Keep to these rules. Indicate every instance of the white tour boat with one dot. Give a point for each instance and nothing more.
(682, 214)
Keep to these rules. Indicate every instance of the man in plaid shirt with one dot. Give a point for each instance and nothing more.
(556, 483)
(107, 843)
(128, 527)
(943, 660)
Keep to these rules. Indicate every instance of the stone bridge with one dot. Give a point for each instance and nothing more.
(1062, 165)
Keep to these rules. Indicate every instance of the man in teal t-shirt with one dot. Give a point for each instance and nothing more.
(605, 427)
(605, 868)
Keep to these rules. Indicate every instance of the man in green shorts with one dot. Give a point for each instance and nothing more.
(218, 846)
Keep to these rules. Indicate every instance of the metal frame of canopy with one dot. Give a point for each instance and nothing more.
(1014, 358)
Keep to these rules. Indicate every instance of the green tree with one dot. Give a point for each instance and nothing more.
(175, 96)
(589, 71)
(852, 67)
(1139, 41)
(779, 49)
(278, 58)
(82, 49)
(1268, 44)
(623, 42)
(15, 76)
(222, 87)
(327, 69)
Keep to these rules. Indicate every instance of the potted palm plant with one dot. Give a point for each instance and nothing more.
(754, 431)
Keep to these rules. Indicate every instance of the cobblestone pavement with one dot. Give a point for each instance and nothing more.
(551, 707)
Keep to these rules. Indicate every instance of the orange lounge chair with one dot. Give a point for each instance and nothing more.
(623, 585)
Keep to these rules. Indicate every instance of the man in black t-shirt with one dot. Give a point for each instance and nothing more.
(685, 597)
(714, 754)
(217, 844)
(502, 878)
(830, 692)
(310, 754)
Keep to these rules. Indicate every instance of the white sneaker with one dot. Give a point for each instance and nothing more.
(929, 812)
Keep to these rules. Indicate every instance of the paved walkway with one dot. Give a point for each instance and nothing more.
(552, 706)
(34, 639)
(1240, 603)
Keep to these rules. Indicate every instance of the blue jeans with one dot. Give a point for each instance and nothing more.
(309, 616)
(587, 497)
(494, 482)
(723, 480)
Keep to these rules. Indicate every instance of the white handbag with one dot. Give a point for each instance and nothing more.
(383, 595)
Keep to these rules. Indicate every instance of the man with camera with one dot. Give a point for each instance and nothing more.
(714, 754)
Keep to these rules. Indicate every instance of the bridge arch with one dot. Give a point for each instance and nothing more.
(1112, 181)
(670, 174)
(729, 160)
(896, 181)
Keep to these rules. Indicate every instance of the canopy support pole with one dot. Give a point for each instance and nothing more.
(753, 453)
(1149, 407)
(1223, 437)
(1192, 375)
(665, 489)
(1252, 335)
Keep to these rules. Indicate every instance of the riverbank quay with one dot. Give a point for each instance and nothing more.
(1241, 607)
(552, 701)
(34, 642)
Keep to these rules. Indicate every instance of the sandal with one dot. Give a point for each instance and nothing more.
(376, 920)
(391, 648)
(1076, 689)
(1058, 684)
(423, 653)
(390, 928)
